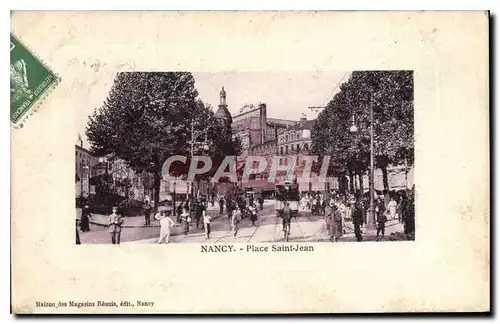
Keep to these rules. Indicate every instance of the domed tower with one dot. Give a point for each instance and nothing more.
(222, 114)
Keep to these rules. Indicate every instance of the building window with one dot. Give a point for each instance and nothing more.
(286, 149)
(286, 138)
(306, 147)
(281, 150)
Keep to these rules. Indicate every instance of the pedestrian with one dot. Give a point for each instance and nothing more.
(196, 214)
(334, 222)
(399, 209)
(261, 202)
(314, 206)
(380, 206)
(366, 207)
(253, 214)
(115, 221)
(185, 219)
(193, 210)
(286, 215)
(381, 217)
(84, 220)
(229, 208)
(166, 223)
(179, 212)
(242, 206)
(147, 213)
(392, 209)
(303, 202)
(77, 235)
(357, 220)
(202, 208)
(235, 220)
(221, 205)
(409, 219)
(381, 220)
(341, 209)
(206, 220)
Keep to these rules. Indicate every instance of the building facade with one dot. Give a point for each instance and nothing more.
(254, 128)
(296, 138)
(85, 164)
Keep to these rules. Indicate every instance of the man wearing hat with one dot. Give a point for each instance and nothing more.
(115, 222)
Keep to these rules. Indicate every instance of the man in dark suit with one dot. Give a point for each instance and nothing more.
(357, 220)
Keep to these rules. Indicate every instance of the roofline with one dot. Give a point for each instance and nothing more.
(84, 149)
(286, 120)
(247, 112)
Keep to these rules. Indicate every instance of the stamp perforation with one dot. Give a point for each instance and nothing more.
(44, 93)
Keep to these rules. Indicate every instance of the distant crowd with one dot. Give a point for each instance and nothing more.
(337, 208)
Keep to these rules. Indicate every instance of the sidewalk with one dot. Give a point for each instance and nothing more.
(136, 221)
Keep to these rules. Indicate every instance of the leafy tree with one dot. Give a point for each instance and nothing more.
(146, 118)
(390, 93)
(102, 183)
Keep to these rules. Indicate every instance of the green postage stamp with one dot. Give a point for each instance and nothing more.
(30, 81)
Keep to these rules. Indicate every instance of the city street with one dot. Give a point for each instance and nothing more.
(304, 228)
(364, 135)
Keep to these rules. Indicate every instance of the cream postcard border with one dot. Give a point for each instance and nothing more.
(445, 269)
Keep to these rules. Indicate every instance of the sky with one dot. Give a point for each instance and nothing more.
(286, 94)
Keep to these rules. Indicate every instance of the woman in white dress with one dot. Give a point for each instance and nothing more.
(342, 210)
(392, 208)
(303, 203)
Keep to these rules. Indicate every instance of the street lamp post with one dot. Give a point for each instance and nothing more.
(173, 202)
(354, 129)
(194, 136)
(372, 165)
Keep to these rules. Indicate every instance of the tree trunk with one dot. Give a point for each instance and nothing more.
(341, 180)
(385, 178)
(361, 189)
(351, 182)
(157, 184)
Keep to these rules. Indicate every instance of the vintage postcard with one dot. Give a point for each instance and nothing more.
(337, 161)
